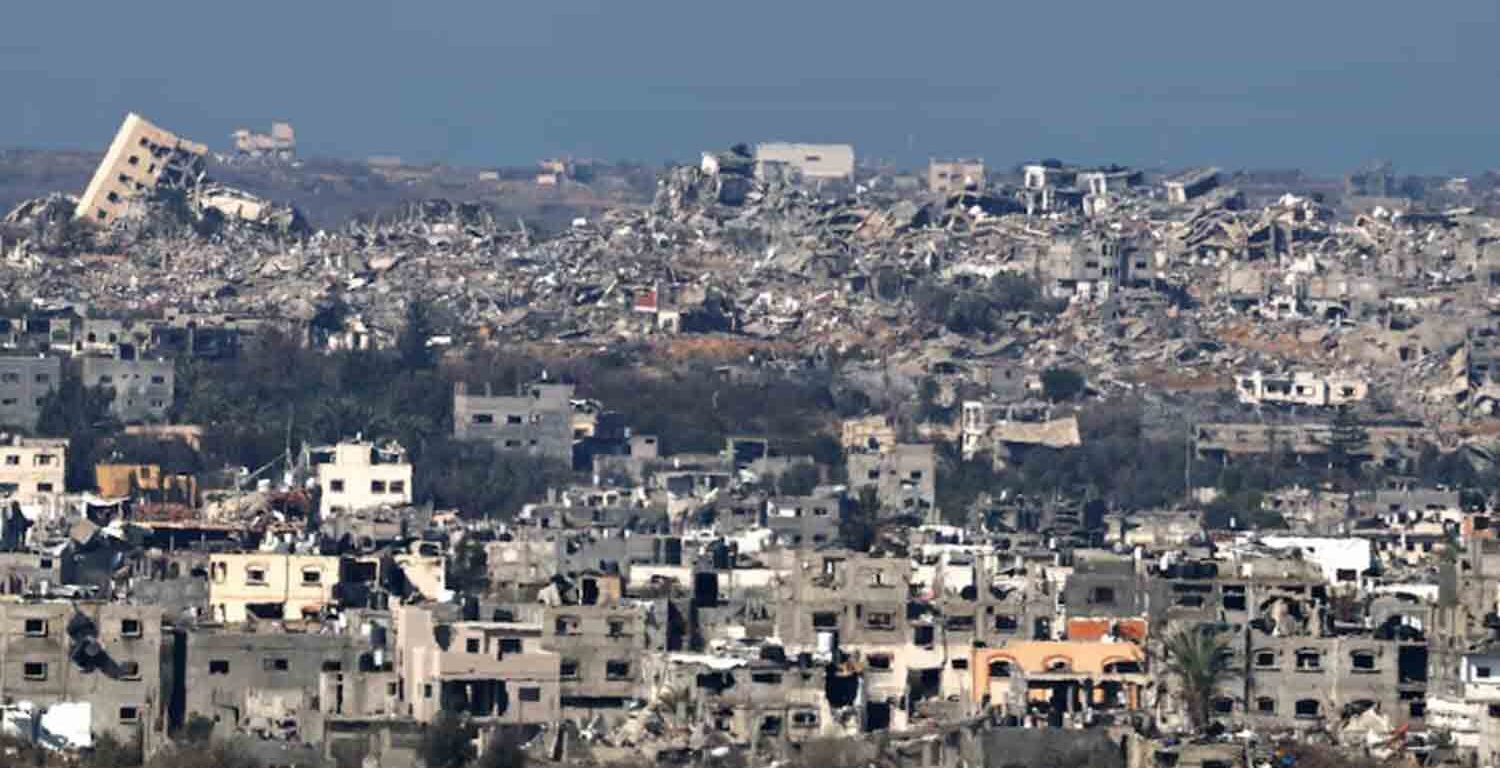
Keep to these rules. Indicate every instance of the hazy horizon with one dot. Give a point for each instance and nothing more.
(1278, 85)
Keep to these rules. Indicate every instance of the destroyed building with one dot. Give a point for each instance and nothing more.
(140, 160)
(809, 161)
(279, 143)
(948, 176)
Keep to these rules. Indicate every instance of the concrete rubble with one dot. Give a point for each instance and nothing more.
(689, 607)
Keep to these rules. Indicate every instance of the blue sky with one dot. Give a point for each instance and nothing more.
(1324, 86)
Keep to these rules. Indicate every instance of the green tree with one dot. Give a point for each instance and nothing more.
(859, 525)
(1061, 384)
(480, 481)
(418, 330)
(468, 571)
(80, 414)
(798, 480)
(1347, 441)
(447, 742)
(1197, 659)
(110, 752)
(502, 751)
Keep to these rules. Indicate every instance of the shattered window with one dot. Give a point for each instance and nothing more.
(531, 693)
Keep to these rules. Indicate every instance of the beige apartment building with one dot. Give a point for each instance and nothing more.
(141, 158)
(270, 585)
(32, 468)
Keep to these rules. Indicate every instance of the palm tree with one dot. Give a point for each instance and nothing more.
(1197, 658)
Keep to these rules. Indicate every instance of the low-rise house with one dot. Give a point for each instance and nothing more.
(496, 672)
(1056, 682)
(358, 475)
(277, 682)
(270, 585)
(902, 476)
(106, 654)
(33, 469)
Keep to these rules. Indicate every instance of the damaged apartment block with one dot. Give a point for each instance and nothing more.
(141, 160)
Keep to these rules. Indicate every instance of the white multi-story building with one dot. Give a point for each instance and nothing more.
(359, 475)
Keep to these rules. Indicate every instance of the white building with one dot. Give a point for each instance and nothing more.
(811, 161)
(359, 475)
(1300, 388)
(1341, 560)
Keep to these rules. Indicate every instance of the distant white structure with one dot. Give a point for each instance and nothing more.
(280, 143)
(1341, 560)
(1300, 388)
(811, 161)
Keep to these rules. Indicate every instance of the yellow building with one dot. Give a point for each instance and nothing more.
(270, 585)
(117, 480)
(141, 158)
(1061, 676)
